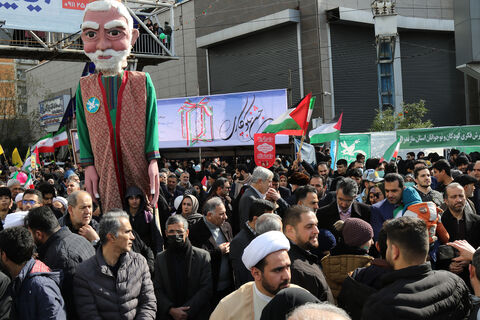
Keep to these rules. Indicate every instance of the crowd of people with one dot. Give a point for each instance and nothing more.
(230, 240)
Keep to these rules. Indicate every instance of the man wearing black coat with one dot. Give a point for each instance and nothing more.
(183, 277)
(300, 227)
(413, 290)
(343, 207)
(213, 233)
(59, 249)
(243, 238)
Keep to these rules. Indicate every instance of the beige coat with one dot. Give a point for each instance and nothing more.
(238, 305)
(336, 269)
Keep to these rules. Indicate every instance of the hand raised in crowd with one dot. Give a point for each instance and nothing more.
(465, 249)
(225, 247)
(88, 233)
(272, 195)
(179, 313)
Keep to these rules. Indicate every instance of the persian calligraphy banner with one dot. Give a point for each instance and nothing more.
(51, 112)
(43, 15)
(349, 145)
(219, 120)
(264, 149)
(461, 136)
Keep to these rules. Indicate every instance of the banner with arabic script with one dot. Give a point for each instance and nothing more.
(43, 15)
(440, 137)
(219, 120)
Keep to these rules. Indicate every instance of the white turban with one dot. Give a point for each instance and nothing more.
(19, 197)
(262, 246)
(15, 219)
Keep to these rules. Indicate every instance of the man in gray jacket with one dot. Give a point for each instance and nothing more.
(115, 283)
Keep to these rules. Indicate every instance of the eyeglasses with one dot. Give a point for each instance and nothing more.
(31, 202)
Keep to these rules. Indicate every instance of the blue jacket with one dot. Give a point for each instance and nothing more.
(36, 293)
(381, 212)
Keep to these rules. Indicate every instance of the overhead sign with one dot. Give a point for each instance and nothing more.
(219, 120)
(264, 153)
(461, 136)
(51, 112)
(44, 15)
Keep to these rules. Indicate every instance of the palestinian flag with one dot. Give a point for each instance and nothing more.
(295, 121)
(392, 151)
(327, 131)
(60, 138)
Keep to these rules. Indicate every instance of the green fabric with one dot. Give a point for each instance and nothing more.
(151, 135)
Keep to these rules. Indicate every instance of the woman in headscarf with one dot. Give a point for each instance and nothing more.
(189, 208)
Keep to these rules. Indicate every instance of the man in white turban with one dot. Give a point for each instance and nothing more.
(267, 259)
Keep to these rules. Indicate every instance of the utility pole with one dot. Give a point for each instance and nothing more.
(386, 36)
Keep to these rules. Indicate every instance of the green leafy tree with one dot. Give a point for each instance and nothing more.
(410, 118)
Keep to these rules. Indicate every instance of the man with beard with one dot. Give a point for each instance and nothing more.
(112, 102)
(183, 276)
(267, 259)
(423, 181)
(460, 224)
(300, 227)
(413, 290)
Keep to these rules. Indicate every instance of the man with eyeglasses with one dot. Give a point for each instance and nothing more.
(32, 198)
(183, 276)
(343, 207)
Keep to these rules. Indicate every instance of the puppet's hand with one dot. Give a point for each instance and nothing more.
(154, 182)
(91, 181)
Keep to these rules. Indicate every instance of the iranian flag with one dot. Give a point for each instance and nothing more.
(392, 151)
(29, 183)
(293, 122)
(45, 144)
(60, 138)
(32, 161)
(327, 131)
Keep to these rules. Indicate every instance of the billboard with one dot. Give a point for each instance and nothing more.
(49, 15)
(219, 120)
(51, 112)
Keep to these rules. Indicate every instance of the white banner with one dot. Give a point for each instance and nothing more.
(380, 141)
(51, 112)
(219, 120)
(43, 15)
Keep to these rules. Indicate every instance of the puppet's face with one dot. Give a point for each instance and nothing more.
(107, 39)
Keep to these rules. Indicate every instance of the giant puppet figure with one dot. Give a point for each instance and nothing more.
(116, 110)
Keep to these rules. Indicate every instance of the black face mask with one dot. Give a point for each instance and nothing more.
(175, 241)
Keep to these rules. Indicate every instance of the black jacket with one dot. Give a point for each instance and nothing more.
(241, 274)
(64, 251)
(418, 292)
(472, 224)
(199, 289)
(328, 215)
(307, 274)
(66, 221)
(201, 237)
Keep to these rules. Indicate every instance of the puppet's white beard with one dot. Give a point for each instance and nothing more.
(113, 65)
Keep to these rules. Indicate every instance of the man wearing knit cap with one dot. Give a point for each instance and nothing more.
(267, 259)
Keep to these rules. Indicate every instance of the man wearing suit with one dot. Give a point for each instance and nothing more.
(213, 233)
(343, 207)
(391, 206)
(183, 276)
(260, 188)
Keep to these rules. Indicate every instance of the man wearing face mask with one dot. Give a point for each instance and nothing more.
(183, 277)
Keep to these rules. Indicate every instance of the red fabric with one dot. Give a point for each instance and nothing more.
(300, 114)
(338, 126)
(39, 267)
(132, 167)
